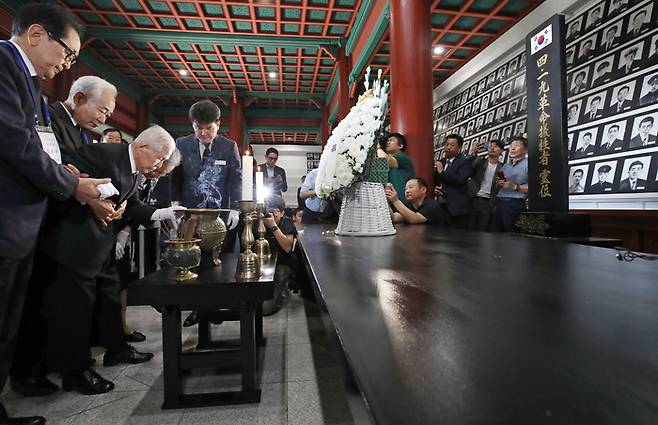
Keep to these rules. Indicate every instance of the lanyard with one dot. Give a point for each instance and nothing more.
(30, 86)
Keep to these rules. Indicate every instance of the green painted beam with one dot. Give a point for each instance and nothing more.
(188, 128)
(283, 113)
(258, 94)
(332, 116)
(371, 44)
(270, 129)
(181, 110)
(332, 88)
(105, 71)
(164, 36)
(359, 22)
(13, 5)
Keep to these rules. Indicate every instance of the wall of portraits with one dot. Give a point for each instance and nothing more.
(612, 57)
(612, 105)
(494, 108)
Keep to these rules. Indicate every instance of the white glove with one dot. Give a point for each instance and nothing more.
(106, 190)
(122, 240)
(166, 213)
(233, 218)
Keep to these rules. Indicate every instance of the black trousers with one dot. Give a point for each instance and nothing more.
(29, 358)
(309, 217)
(69, 307)
(456, 221)
(481, 214)
(506, 211)
(14, 279)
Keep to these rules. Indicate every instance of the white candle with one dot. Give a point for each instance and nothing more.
(260, 187)
(247, 177)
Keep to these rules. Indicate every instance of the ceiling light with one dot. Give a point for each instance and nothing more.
(182, 72)
(272, 75)
(289, 138)
(439, 50)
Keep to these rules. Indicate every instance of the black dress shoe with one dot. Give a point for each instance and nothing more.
(127, 355)
(191, 320)
(28, 420)
(87, 382)
(135, 337)
(34, 387)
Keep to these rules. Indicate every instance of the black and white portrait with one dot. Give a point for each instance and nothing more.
(643, 133)
(653, 51)
(649, 92)
(500, 114)
(524, 104)
(622, 98)
(501, 73)
(495, 96)
(577, 176)
(630, 59)
(491, 79)
(476, 106)
(603, 71)
(479, 123)
(522, 59)
(574, 28)
(639, 21)
(617, 6)
(513, 109)
(490, 118)
(634, 174)
(594, 106)
(507, 90)
(460, 114)
(594, 16)
(469, 127)
(571, 54)
(464, 98)
(472, 92)
(495, 135)
(587, 47)
(603, 177)
(611, 36)
(519, 83)
(586, 145)
(612, 139)
(507, 134)
(485, 102)
(484, 139)
(481, 86)
(467, 110)
(519, 128)
(512, 66)
(580, 82)
(573, 112)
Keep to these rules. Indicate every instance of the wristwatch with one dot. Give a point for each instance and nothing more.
(516, 188)
(274, 229)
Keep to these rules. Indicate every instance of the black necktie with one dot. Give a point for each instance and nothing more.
(205, 157)
(83, 135)
(39, 103)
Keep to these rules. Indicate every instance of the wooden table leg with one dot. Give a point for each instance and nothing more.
(171, 350)
(248, 346)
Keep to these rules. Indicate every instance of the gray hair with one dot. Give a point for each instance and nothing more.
(91, 86)
(175, 159)
(156, 138)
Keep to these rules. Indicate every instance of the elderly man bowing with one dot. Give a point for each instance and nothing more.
(81, 245)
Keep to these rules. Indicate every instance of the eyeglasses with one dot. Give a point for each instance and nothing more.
(273, 157)
(71, 56)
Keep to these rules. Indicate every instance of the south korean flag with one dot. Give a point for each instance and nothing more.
(541, 39)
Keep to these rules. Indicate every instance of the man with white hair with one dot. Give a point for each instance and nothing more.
(81, 246)
(90, 103)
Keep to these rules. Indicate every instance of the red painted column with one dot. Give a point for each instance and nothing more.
(411, 80)
(343, 87)
(236, 121)
(324, 125)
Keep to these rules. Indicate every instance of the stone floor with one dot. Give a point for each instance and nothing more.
(301, 381)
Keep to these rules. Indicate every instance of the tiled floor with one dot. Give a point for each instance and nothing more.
(300, 379)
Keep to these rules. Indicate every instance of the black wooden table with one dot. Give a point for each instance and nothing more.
(215, 288)
(452, 327)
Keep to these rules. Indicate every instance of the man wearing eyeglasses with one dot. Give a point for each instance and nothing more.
(275, 176)
(45, 40)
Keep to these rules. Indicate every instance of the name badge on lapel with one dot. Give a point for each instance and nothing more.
(49, 143)
(220, 162)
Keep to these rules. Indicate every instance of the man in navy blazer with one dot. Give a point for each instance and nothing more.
(45, 40)
(274, 176)
(452, 174)
(210, 174)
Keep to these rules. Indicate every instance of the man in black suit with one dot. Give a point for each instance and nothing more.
(633, 182)
(602, 185)
(611, 142)
(586, 148)
(622, 104)
(594, 111)
(643, 138)
(90, 102)
(275, 176)
(82, 247)
(452, 175)
(653, 58)
(45, 40)
(603, 71)
(638, 24)
(652, 95)
(579, 83)
(629, 63)
(610, 39)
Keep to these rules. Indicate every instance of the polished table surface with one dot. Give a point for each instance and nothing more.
(441, 326)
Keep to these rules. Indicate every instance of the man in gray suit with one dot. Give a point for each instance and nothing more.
(643, 138)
